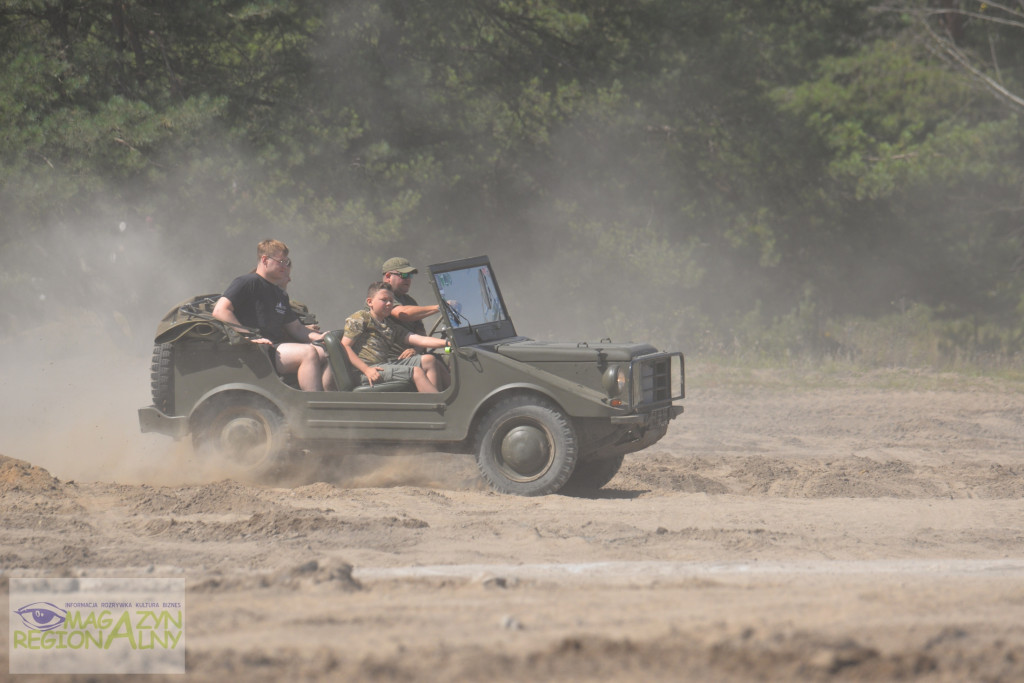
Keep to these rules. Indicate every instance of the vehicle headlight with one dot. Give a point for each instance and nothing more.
(614, 380)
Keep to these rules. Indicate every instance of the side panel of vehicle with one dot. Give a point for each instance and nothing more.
(202, 368)
(478, 377)
(206, 370)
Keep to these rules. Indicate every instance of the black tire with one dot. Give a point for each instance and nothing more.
(591, 475)
(162, 377)
(526, 446)
(244, 431)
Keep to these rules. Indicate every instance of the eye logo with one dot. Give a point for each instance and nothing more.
(41, 616)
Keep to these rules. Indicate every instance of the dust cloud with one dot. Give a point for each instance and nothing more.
(78, 341)
(76, 416)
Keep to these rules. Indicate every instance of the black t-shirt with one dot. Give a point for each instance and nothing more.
(261, 304)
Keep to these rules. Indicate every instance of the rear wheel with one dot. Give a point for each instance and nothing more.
(245, 431)
(526, 446)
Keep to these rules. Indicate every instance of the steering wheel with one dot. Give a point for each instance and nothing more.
(439, 325)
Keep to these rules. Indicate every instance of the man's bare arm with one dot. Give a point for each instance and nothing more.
(224, 311)
(412, 314)
(301, 333)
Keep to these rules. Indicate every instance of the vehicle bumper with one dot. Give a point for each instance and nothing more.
(658, 416)
(152, 420)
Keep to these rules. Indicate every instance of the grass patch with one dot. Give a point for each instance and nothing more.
(919, 349)
(717, 372)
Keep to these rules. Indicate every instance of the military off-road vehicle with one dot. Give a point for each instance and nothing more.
(540, 417)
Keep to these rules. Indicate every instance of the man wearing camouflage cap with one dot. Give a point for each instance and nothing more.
(398, 272)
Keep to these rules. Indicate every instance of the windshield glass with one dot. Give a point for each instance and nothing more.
(472, 296)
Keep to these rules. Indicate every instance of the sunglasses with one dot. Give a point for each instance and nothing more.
(404, 276)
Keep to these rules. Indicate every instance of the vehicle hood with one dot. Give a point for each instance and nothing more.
(529, 351)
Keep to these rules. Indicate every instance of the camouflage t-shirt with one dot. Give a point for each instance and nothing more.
(373, 340)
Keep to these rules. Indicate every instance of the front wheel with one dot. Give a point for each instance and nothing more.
(526, 447)
(247, 432)
(591, 475)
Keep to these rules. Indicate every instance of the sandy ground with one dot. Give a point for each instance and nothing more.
(869, 528)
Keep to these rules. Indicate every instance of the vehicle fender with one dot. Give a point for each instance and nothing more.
(576, 399)
(237, 387)
(570, 402)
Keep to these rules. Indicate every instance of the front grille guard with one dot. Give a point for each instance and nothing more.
(656, 380)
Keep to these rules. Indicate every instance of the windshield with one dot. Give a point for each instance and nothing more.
(473, 306)
(472, 296)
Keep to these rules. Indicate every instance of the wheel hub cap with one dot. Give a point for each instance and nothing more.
(526, 450)
(242, 435)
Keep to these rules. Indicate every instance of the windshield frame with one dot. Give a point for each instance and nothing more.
(474, 280)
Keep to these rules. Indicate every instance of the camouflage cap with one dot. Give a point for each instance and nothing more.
(398, 265)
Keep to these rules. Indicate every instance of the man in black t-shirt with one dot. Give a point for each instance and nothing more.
(259, 300)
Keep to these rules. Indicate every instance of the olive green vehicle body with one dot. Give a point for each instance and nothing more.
(490, 365)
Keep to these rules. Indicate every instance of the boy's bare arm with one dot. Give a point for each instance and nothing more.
(426, 342)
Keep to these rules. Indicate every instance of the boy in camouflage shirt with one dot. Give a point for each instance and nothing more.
(371, 337)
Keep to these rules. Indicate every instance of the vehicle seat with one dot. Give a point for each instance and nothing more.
(346, 376)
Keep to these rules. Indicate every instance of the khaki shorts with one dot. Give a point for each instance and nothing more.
(390, 372)
(413, 360)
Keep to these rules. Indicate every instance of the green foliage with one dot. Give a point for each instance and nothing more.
(883, 114)
(923, 337)
(767, 166)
